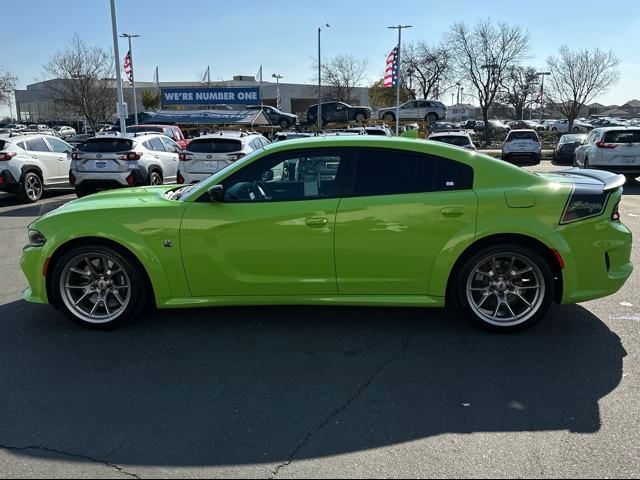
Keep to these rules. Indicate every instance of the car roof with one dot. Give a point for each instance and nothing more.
(234, 135)
(523, 131)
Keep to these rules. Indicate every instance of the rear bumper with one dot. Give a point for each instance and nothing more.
(190, 178)
(522, 158)
(106, 181)
(597, 257)
(8, 182)
(623, 169)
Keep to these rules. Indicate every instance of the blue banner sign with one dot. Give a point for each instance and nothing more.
(211, 96)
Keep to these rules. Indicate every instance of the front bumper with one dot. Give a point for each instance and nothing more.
(32, 264)
(597, 257)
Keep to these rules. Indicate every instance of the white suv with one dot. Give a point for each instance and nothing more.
(29, 164)
(114, 161)
(209, 154)
(615, 149)
(522, 147)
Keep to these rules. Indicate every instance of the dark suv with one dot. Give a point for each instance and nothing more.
(276, 117)
(338, 112)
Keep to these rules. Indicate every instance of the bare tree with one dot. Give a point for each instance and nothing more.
(578, 77)
(342, 74)
(517, 89)
(382, 97)
(8, 84)
(483, 55)
(85, 80)
(425, 68)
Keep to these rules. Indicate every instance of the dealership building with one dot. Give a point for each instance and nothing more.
(40, 102)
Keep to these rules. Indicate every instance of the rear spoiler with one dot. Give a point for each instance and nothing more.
(611, 181)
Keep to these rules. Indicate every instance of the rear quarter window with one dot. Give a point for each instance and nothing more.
(106, 145)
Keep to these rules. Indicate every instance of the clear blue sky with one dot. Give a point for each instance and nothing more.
(183, 37)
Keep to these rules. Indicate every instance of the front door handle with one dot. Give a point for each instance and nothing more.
(452, 211)
(316, 222)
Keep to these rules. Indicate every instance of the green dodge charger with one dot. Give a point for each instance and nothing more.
(339, 221)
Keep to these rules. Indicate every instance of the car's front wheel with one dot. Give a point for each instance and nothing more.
(360, 117)
(389, 117)
(505, 287)
(155, 178)
(432, 118)
(98, 287)
(284, 123)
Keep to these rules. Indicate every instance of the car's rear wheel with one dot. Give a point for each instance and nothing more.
(576, 130)
(284, 123)
(360, 117)
(155, 178)
(389, 117)
(432, 118)
(97, 287)
(554, 129)
(31, 188)
(505, 287)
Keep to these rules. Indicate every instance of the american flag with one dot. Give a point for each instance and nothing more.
(128, 68)
(391, 74)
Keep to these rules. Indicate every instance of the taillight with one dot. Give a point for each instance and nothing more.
(6, 156)
(606, 146)
(236, 156)
(183, 157)
(131, 156)
(75, 156)
(615, 216)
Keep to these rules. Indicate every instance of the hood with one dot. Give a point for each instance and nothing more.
(113, 199)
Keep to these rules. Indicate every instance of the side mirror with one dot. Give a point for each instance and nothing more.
(216, 193)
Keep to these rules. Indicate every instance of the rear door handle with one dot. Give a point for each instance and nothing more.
(315, 222)
(452, 211)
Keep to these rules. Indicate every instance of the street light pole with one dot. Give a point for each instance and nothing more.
(399, 62)
(277, 77)
(133, 78)
(542, 74)
(116, 52)
(320, 77)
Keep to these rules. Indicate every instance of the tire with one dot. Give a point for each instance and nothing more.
(84, 191)
(99, 301)
(432, 118)
(389, 117)
(554, 129)
(586, 163)
(486, 280)
(576, 130)
(155, 178)
(284, 123)
(31, 188)
(360, 117)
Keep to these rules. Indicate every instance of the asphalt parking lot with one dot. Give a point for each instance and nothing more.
(316, 392)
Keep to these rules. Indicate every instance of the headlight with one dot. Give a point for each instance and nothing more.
(36, 239)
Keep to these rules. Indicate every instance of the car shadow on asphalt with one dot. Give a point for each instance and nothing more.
(237, 386)
(29, 210)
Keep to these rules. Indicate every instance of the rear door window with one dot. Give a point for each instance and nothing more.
(394, 172)
(622, 136)
(106, 145)
(38, 145)
(157, 145)
(215, 145)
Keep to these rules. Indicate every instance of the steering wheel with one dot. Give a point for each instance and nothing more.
(261, 190)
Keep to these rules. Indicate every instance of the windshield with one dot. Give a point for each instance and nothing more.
(623, 136)
(213, 180)
(523, 136)
(106, 145)
(572, 138)
(457, 140)
(215, 145)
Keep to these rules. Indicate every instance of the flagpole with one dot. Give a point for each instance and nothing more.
(208, 76)
(399, 28)
(129, 36)
(158, 87)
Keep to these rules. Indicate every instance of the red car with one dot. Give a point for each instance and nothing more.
(172, 131)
